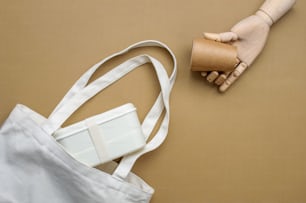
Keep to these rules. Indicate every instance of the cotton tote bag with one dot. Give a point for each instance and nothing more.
(34, 168)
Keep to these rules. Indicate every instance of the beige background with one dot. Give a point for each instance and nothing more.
(248, 145)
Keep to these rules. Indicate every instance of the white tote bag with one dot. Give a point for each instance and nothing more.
(34, 168)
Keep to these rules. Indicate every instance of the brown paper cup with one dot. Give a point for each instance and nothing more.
(208, 55)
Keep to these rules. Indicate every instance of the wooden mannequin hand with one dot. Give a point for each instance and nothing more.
(249, 36)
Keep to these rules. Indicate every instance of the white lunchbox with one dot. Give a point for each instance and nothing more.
(104, 137)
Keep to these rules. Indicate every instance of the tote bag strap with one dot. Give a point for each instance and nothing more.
(82, 92)
(83, 81)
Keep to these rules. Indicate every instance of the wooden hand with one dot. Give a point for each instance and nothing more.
(249, 36)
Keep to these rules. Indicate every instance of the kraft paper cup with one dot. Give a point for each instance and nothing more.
(208, 55)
